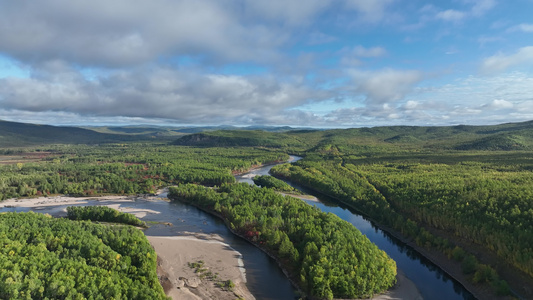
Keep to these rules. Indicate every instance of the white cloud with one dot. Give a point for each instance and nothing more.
(498, 104)
(481, 7)
(121, 33)
(291, 12)
(451, 15)
(351, 56)
(501, 62)
(410, 105)
(384, 86)
(185, 96)
(370, 10)
(463, 102)
(478, 9)
(524, 27)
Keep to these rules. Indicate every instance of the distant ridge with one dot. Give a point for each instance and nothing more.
(13, 134)
(238, 138)
(503, 137)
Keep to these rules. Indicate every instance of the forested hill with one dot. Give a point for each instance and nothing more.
(510, 136)
(14, 134)
(241, 138)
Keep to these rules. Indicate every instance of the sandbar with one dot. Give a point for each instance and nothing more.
(183, 282)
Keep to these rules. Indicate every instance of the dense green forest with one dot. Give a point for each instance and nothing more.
(23, 135)
(435, 185)
(136, 168)
(441, 200)
(273, 183)
(327, 256)
(102, 214)
(47, 258)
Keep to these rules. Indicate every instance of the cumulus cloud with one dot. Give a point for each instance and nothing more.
(501, 62)
(384, 86)
(451, 15)
(497, 104)
(410, 113)
(184, 96)
(464, 102)
(291, 12)
(370, 10)
(351, 56)
(121, 33)
(478, 8)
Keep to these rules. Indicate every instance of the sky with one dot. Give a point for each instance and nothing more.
(312, 63)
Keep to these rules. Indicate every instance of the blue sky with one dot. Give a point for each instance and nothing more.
(315, 63)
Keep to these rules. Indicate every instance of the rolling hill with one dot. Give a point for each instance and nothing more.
(13, 134)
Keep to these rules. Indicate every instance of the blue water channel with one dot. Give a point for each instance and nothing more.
(432, 282)
(265, 280)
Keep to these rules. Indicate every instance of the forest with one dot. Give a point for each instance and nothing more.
(102, 214)
(48, 258)
(273, 183)
(438, 186)
(136, 168)
(328, 257)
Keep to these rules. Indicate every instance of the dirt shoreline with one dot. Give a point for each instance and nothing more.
(180, 281)
(174, 253)
(403, 289)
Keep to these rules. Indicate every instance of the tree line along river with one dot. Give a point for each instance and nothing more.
(262, 272)
(431, 281)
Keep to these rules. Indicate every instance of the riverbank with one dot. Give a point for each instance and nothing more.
(174, 252)
(450, 267)
(403, 289)
(181, 281)
(53, 201)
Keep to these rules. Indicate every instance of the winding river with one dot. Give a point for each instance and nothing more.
(431, 281)
(262, 272)
(265, 280)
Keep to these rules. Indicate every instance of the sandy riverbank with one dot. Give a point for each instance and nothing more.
(182, 282)
(174, 253)
(404, 289)
(111, 201)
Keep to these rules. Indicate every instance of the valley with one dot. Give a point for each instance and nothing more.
(458, 193)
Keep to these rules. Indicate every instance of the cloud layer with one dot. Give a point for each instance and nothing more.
(311, 63)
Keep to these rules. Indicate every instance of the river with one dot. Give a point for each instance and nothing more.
(262, 272)
(265, 280)
(431, 281)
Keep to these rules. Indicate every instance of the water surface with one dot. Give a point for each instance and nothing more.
(432, 282)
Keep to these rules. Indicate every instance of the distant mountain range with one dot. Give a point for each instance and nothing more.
(509, 136)
(504, 137)
(169, 130)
